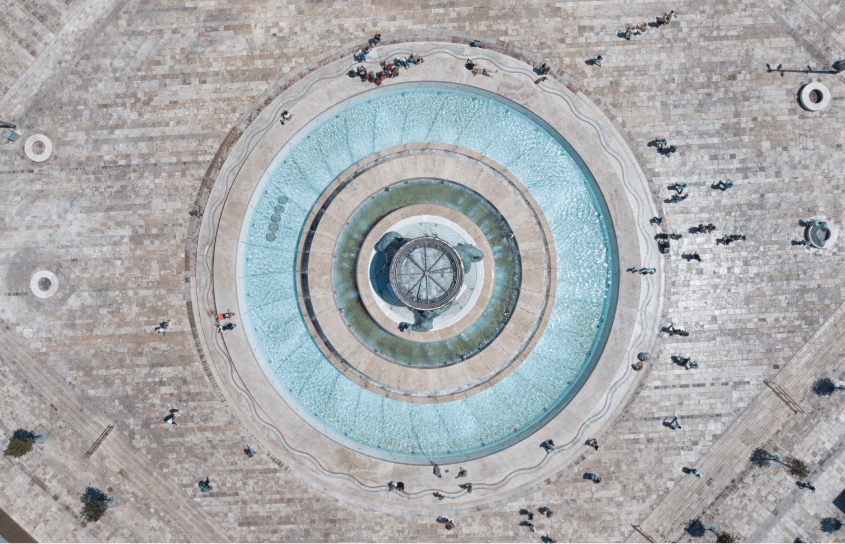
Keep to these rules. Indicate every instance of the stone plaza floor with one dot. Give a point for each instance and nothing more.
(138, 96)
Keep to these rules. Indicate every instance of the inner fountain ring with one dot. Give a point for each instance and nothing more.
(334, 318)
(483, 274)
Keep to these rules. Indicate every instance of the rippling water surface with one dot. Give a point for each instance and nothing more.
(514, 406)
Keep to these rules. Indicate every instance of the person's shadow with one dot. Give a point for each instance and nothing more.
(667, 424)
(591, 62)
(442, 519)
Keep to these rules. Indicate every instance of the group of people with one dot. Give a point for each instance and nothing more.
(687, 363)
(635, 30)
(664, 147)
(472, 65)
(388, 69)
(666, 18)
(643, 27)
(222, 317)
(543, 511)
(731, 238)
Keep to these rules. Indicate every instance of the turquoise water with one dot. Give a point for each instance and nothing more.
(531, 394)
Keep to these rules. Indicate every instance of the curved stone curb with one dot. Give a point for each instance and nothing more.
(615, 146)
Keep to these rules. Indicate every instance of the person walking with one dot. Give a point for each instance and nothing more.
(593, 443)
(674, 425)
(597, 61)
(461, 473)
(436, 469)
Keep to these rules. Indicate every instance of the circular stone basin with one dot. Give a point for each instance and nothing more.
(427, 273)
(585, 272)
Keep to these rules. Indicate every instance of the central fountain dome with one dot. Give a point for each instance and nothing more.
(426, 274)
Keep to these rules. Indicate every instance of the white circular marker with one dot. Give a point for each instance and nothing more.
(44, 284)
(814, 96)
(38, 148)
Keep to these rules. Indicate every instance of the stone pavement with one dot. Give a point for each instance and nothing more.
(140, 114)
(151, 507)
(777, 410)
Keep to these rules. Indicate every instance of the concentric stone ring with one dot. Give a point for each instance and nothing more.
(442, 365)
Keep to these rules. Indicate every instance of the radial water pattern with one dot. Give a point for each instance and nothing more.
(496, 416)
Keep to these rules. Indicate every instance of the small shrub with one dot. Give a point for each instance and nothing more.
(93, 504)
(797, 467)
(695, 528)
(725, 537)
(823, 387)
(831, 525)
(18, 447)
(760, 457)
(94, 510)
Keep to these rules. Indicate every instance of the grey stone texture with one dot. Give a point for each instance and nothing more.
(139, 95)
